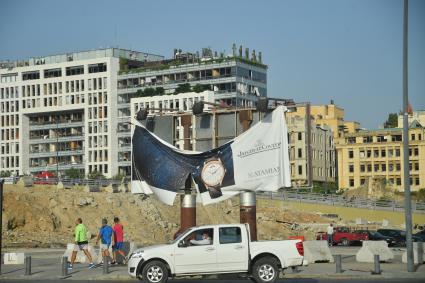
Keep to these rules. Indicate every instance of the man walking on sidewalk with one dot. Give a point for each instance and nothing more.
(118, 240)
(81, 243)
(105, 235)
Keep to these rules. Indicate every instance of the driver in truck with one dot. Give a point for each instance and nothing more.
(206, 239)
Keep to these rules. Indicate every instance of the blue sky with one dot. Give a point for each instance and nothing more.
(346, 50)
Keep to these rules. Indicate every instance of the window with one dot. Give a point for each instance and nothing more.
(33, 75)
(351, 181)
(368, 153)
(375, 167)
(383, 153)
(367, 139)
(96, 68)
(351, 168)
(417, 181)
(196, 237)
(369, 168)
(384, 167)
(381, 139)
(396, 138)
(362, 181)
(230, 235)
(362, 168)
(376, 153)
(350, 154)
(300, 136)
(52, 73)
(416, 151)
(397, 152)
(412, 137)
(397, 166)
(398, 181)
(300, 169)
(300, 153)
(417, 166)
(75, 70)
(351, 140)
(362, 154)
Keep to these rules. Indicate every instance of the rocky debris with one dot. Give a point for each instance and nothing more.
(146, 220)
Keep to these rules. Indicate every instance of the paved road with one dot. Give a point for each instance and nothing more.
(306, 280)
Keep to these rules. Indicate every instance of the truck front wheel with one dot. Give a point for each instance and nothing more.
(265, 270)
(155, 272)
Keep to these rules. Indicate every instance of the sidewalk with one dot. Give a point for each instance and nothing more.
(46, 264)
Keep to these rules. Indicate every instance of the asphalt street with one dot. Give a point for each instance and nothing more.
(304, 280)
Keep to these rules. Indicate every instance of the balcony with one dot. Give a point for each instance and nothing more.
(46, 153)
(52, 167)
(52, 125)
(48, 139)
(126, 147)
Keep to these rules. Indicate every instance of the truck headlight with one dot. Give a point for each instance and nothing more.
(138, 254)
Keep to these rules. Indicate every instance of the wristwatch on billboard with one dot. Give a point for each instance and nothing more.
(212, 175)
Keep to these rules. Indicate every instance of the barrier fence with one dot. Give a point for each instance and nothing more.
(340, 200)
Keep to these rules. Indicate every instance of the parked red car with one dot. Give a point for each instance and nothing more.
(45, 178)
(344, 236)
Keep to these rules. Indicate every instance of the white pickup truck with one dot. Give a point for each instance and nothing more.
(228, 250)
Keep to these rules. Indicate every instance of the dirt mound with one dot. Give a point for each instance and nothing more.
(44, 216)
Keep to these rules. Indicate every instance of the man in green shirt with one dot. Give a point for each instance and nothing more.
(81, 243)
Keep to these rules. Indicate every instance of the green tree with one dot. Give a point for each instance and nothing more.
(5, 174)
(159, 91)
(149, 91)
(94, 175)
(74, 173)
(140, 93)
(392, 121)
(200, 88)
(118, 177)
(182, 88)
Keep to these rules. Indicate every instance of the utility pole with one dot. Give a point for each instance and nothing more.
(407, 197)
(57, 151)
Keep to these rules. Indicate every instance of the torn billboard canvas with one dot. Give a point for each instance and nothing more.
(257, 160)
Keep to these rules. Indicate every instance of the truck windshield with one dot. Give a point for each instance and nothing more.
(180, 236)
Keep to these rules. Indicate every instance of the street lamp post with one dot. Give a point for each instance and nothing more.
(407, 197)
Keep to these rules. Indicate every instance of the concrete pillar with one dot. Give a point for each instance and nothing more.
(248, 212)
(187, 211)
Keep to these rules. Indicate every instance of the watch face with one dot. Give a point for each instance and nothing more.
(213, 173)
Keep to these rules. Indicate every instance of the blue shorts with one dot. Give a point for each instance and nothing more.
(117, 246)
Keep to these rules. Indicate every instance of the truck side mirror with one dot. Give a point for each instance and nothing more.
(182, 244)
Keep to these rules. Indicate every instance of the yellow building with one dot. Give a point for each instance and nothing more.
(368, 157)
(331, 116)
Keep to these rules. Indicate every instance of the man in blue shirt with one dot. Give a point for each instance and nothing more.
(105, 236)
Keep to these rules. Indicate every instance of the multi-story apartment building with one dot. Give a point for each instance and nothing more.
(235, 79)
(311, 151)
(59, 112)
(376, 156)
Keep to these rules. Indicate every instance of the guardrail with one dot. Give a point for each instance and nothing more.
(54, 181)
(340, 200)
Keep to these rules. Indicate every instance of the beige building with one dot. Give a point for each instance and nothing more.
(311, 151)
(376, 156)
(331, 116)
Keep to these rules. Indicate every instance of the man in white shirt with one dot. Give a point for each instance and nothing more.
(206, 240)
(330, 231)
